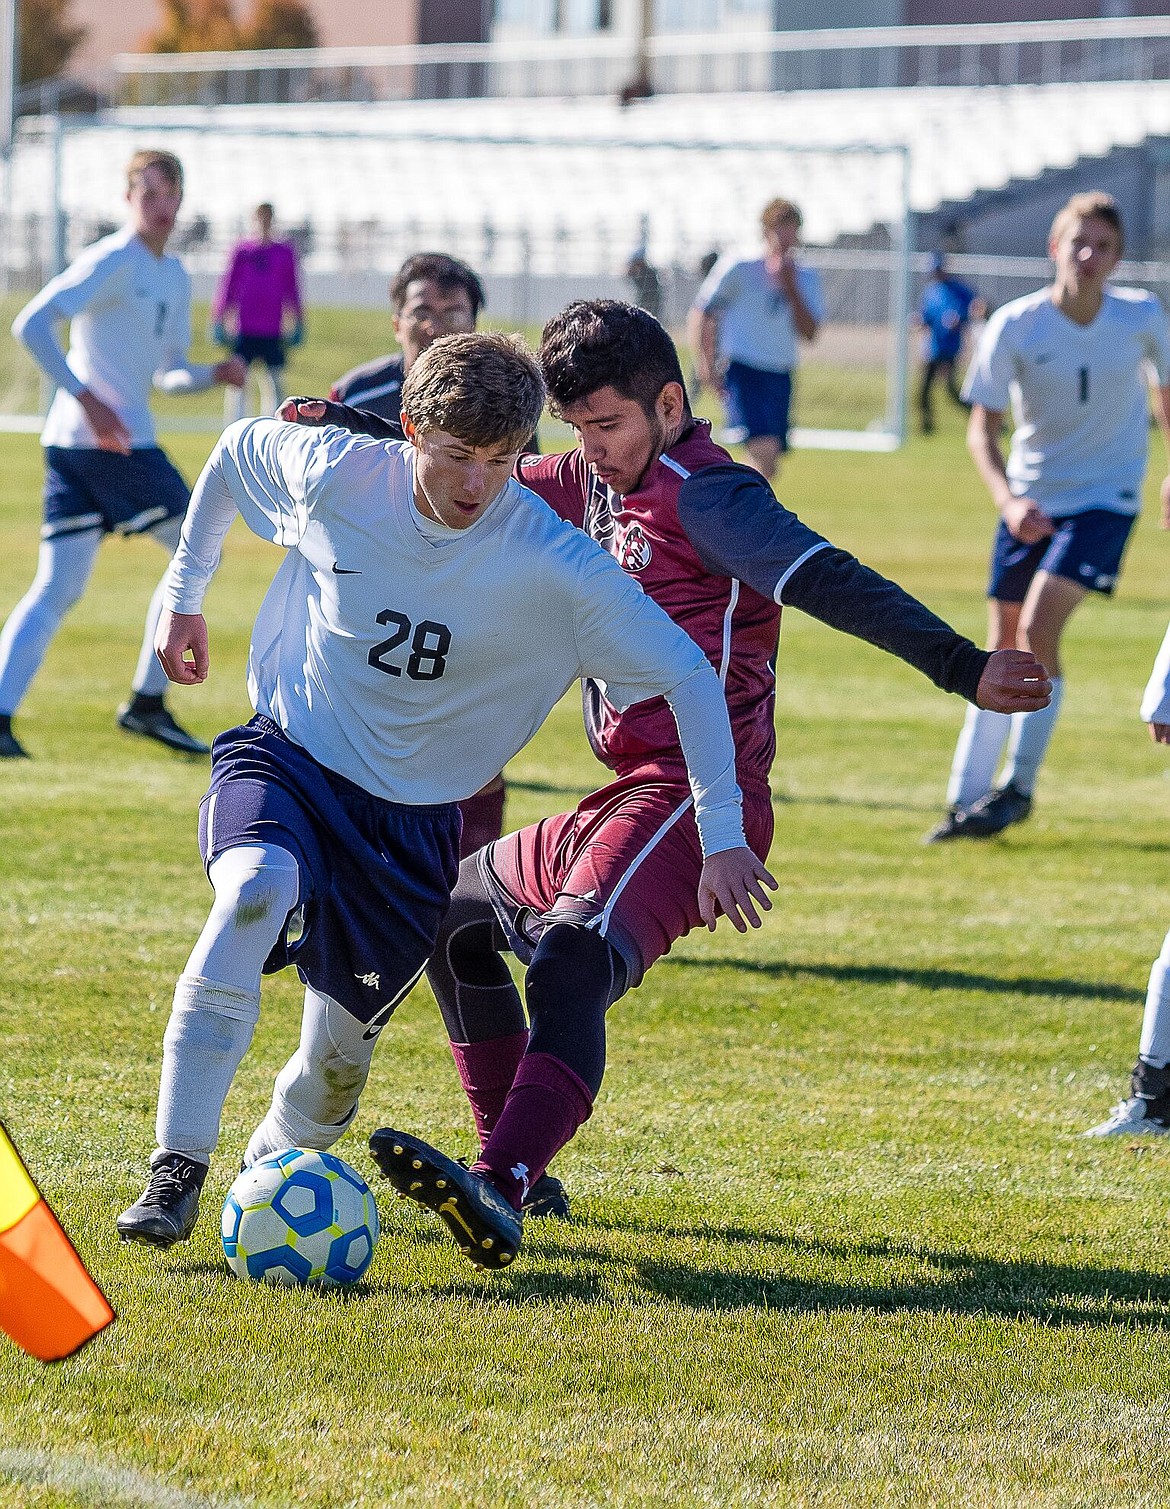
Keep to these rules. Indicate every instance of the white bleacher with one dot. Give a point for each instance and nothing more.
(578, 176)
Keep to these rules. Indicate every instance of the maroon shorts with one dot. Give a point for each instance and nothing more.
(627, 862)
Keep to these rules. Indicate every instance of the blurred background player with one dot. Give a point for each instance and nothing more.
(1148, 1106)
(947, 307)
(646, 282)
(1074, 362)
(129, 308)
(431, 295)
(259, 287)
(744, 330)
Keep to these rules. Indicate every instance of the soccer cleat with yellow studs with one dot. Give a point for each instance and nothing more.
(482, 1222)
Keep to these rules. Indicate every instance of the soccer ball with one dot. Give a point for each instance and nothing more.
(300, 1217)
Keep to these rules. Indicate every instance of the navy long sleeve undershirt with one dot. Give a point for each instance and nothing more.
(738, 529)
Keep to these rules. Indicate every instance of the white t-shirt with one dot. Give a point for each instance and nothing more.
(417, 660)
(130, 327)
(1078, 394)
(1156, 700)
(755, 318)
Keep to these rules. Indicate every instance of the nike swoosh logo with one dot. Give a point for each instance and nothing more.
(341, 571)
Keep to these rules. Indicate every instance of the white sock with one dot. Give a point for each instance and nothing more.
(209, 1032)
(149, 677)
(1029, 741)
(1155, 1041)
(976, 755)
(63, 567)
(316, 1093)
(217, 998)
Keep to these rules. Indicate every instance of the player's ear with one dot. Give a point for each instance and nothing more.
(671, 403)
(408, 428)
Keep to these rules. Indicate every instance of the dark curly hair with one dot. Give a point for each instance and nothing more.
(436, 267)
(595, 343)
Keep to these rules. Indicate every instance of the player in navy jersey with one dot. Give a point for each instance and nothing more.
(392, 672)
(1077, 362)
(590, 899)
(431, 295)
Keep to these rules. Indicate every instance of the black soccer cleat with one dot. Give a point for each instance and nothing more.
(996, 811)
(167, 1209)
(547, 1201)
(485, 1226)
(150, 718)
(950, 827)
(10, 746)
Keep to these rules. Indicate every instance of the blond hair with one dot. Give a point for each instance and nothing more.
(484, 388)
(780, 212)
(166, 162)
(1094, 205)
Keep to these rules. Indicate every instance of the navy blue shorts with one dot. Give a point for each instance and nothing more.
(757, 404)
(1087, 549)
(268, 349)
(375, 876)
(92, 489)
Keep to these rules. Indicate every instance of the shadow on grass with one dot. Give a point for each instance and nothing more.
(952, 1283)
(926, 979)
(575, 1270)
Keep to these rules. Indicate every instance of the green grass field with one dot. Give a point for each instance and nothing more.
(837, 1241)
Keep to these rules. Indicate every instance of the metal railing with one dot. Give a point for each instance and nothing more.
(1040, 52)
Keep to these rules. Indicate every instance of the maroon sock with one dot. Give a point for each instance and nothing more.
(486, 1072)
(483, 818)
(546, 1105)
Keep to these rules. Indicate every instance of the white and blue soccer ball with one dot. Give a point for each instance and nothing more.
(300, 1217)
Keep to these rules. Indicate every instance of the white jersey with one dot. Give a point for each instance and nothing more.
(416, 660)
(1078, 394)
(130, 315)
(1156, 700)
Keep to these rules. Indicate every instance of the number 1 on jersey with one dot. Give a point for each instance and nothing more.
(1084, 384)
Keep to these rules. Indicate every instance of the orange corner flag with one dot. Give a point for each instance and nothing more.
(49, 1305)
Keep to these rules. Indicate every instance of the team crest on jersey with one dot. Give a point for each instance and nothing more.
(636, 552)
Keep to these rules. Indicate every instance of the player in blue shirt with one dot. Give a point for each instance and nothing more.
(947, 308)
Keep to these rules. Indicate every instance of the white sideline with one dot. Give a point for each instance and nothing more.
(78, 1474)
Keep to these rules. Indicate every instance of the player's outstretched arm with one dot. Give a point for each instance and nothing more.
(1013, 681)
(732, 885)
(179, 636)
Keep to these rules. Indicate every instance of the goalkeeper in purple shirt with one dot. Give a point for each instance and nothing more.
(259, 287)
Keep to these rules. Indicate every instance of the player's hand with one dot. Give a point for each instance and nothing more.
(731, 884)
(296, 335)
(1164, 495)
(1027, 521)
(180, 635)
(1013, 681)
(1160, 733)
(233, 373)
(219, 334)
(112, 434)
(786, 274)
(302, 410)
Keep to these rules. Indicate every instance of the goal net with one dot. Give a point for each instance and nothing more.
(548, 200)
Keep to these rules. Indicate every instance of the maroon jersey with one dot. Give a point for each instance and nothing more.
(735, 627)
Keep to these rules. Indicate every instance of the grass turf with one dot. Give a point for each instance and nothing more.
(837, 1241)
